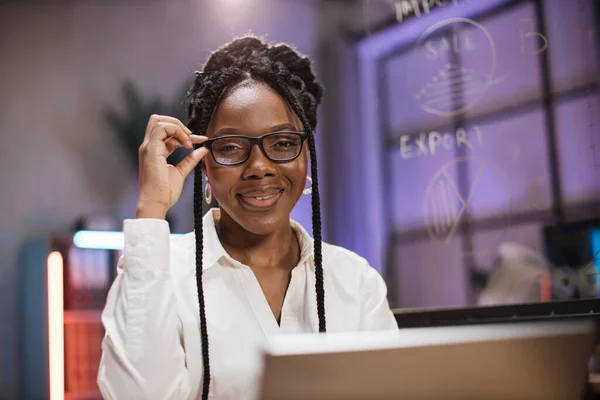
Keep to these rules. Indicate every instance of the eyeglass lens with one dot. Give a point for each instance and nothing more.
(277, 147)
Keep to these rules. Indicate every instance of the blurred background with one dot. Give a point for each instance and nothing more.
(458, 143)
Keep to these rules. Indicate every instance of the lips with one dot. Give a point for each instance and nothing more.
(260, 198)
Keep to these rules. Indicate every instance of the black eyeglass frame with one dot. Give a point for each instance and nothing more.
(256, 141)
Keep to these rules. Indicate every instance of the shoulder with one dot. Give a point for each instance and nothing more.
(340, 256)
(183, 252)
(183, 255)
(183, 240)
(346, 264)
(351, 277)
(339, 263)
(182, 259)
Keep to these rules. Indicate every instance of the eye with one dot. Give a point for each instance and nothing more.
(284, 143)
(227, 146)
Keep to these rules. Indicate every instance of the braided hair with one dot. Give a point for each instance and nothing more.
(290, 74)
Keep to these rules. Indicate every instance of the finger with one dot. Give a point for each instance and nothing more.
(197, 139)
(172, 144)
(165, 130)
(173, 120)
(188, 164)
(156, 118)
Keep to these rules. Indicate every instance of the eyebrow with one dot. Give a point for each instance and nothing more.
(235, 131)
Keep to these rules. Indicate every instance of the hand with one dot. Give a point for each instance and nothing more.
(160, 183)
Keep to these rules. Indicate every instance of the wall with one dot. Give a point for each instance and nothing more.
(61, 65)
(337, 119)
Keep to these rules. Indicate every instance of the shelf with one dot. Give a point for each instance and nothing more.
(83, 316)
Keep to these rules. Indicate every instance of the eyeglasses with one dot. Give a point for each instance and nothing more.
(278, 147)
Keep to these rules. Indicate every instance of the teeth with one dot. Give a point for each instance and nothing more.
(266, 197)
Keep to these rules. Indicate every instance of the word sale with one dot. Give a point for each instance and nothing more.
(408, 8)
(429, 143)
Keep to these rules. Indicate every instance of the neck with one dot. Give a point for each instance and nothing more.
(277, 249)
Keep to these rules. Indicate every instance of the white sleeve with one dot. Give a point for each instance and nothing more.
(376, 312)
(142, 352)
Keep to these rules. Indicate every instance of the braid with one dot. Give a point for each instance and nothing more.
(210, 99)
(277, 82)
(316, 226)
(199, 247)
(290, 74)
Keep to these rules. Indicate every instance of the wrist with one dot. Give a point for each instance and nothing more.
(150, 210)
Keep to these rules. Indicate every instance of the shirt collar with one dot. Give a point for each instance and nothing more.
(306, 244)
(214, 250)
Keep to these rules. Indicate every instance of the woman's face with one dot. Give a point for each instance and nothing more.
(259, 194)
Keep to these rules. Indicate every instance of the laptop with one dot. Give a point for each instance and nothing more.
(522, 360)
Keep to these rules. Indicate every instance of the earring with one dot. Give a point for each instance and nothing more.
(207, 193)
(308, 190)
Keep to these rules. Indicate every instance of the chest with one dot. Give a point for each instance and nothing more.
(240, 321)
(274, 285)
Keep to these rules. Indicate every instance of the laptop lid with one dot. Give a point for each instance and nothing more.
(525, 360)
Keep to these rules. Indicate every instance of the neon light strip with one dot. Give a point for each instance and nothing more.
(595, 248)
(545, 285)
(102, 240)
(56, 334)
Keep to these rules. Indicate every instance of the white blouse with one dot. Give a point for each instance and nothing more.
(152, 345)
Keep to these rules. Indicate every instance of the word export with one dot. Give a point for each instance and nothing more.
(426, 144)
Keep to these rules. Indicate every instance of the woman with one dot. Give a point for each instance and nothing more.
(186, 317)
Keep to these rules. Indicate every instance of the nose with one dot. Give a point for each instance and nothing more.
(258, 165)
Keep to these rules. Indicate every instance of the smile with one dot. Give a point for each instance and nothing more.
(260, 202)
(266, 197)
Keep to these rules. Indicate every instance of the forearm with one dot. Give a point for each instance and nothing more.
(143, 357)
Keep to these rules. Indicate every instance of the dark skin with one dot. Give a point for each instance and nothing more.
(260, 237)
